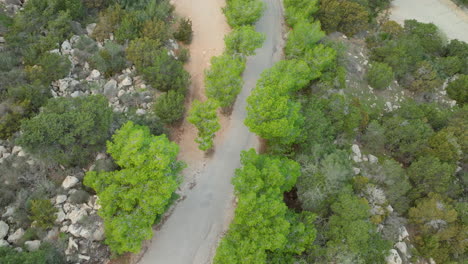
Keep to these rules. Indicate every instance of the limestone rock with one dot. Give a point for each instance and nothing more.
(60, 199)
(403, 248)
(66, 47)
(60, 216)
(110, 89)
(94, 75)
(393, 257)
(16, 236)
(98, 234)
(76, 215)
(3, 243)
(356, 150)
(373, 159)
(127, 81)
(74, 230)
(3, 229)
(403, 233)
(32, 245)
(69, 182)
(140, 112)
(16, 149)
(72, 246)
(90, 28)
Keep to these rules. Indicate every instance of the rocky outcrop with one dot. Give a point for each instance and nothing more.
(16, 236)
(32, 245)
(3, 229)
(69, 182)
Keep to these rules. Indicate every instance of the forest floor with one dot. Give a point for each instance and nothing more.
(449, 17)
(192, 231)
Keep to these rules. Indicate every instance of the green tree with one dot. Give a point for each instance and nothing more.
(262, 222)
(133, 197)
(458, 89)
(204, 117)
(68, 130)
(444, 146)
(244, 40)
(165, 73)
(300, 10)
(169, 107)
(50, 67)
(428, 33)
(350, 228)
(243, 12)
(155, 29)
(302, 38)
(428, 174)
(380, 75)
(43, 212)
(439, 234)
(110, 60)
(341, 15)
(108, 22)
(223, 80)
(143, 51)
(184, 33)
(459, 49)
(425, 78)
(47, 254)
(129, 28)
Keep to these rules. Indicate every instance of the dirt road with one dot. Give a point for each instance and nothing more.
(192, 232)
(452, 20)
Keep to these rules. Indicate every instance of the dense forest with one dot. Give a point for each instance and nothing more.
(361, 166)
(364, 125)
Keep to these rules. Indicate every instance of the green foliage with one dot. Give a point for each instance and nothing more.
(322, 180)
(439, 235)
(223, 80)
(43, 212)
(133, 197)
(68, 130)
(406, 138)
(459, 49)
(342, 15)
(143, 51)
(184, 33)
(300, 10)
(204, 117)
(45, 255)
(129, 27)
(243, 12)
(165, 73)
(351, 230)
(169, 107)
(109, 21)
(243, 40)
(263, 224)
(50, 67)
(110, 60)
(458, 89)
(428, 34)
(155, 29)
(425, 78)
(428, 174)
(380, 75)
(444, 146)
(449, 66)
(303, 38)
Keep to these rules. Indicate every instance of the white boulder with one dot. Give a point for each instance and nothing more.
(60, 199)
(373, 159)
(76, 215)
(16, 236)
(393, 257)
(32, 245)
(3, 243)
(69, 182)
(3, 229)
(356, 150)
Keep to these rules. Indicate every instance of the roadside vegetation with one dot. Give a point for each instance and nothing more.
(75, 74)
(369, 169)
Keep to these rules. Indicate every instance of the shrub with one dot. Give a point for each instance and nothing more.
(43, 212)
(300, 10)
(133, 197)
(169, 107)
(110, 60)
(243, 12)
(109, 20)
(50, 67)
(47, 254)
(204, 117)
(458, 90)
(425, 78)
(155, 29)
(344, 16)
(129, 28)
(79, 197)
(68, 130)
(243, 40)
(184, 33)
(165, 73)
(143, 51)
(380, 75)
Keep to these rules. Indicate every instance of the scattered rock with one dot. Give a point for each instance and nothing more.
(110, 89)
(10, 210)
(60, 199)
(356, 171)
(98, 235)
(3, 229)
(76, 94)
(83, 257)
(74, 230)
(69, 182)
(393, 257)
(373, 159)
(72, 246)
(90, 28)
(2, 150)
(64, 229)
(52, 235)
(94, 75)
(60, 216)
(16, 149)
(140, 112)
(403, 233)
(32, 245)
(16, 236)
(66, 47)
(356, 150)
(3, 243)
(127, 81)
(76, 215)
(401, 246)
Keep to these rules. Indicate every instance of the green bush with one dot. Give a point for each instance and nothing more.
(143, 51)
(165, 73)
(68, 130)
(43, 212)
(110, 60)
(129, 28)
(109, 20)
(458, 90)
(184, 33)
(243, 40)
(50, 67)
(380, 75)
(243, 12)
(155, 29)
(344, 16)
(169, 107)
(204, 117)
(47, 254)
(79, 197)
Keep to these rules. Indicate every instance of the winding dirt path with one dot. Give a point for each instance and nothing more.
(191, 233)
